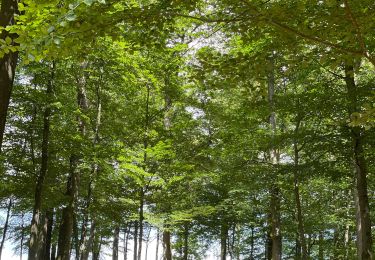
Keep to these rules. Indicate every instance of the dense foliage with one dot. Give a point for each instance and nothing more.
(198, 129)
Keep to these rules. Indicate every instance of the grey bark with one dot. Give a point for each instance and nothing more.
(8, 9)
(364, 239)
(275, 219)
(116, 238)
(5, 228)
(35, 235)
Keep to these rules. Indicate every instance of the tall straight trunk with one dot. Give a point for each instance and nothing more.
(66, 226)
(90, 241)
(116, 238)
(186, 241)
(147, 243)
(252, 243)
(157, 244)
(135, 238)
(275, 219)
(67, 220)
(22, 235)
(75, 237)
(97, 245)
(223, 241)
(5, 228)
(35, 239)
(140, 238)
(8, 63)
(301, 230)
(93, 173)
(321, 246)
(364, 239)
(53, 251)
(49, 223)
(126, 241)
(167, 245)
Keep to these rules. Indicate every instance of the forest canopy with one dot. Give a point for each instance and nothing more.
(197, 129)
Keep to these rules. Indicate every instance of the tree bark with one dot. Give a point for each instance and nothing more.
(135, 240)
(116, 238)
(275, 218)
(8, 63)
(157, 244)
(167, 245)
(89, 245)
(5, 228)
(223, 241)
(140, 238)
(186, 241)
(301, 230)
(93, 173)
(126, 240)
(364, 239)
(49, 222)
(67, 221)
(34, 243)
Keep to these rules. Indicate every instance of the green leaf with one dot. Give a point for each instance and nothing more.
(70, 16)
(88, 2)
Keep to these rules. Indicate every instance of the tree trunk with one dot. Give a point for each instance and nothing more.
(364, 239)
(252, 243)
(186, 241)
(67, 221)
(116, 238)
(135, 240)
(22, 235)
(167, 245)
(49, 223)
(321, 246)
(8, 63)
(223, 241)
(140, 238)
(5, 229)
(93, 173)
(35, 234)
(274, 189)
(126, 240)
(89, 245)
(96, 248)
(157, 244)
(301, 230)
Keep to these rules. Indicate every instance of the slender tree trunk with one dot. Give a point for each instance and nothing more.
(157, 244)
(93, 173)
(274, 190)
(126, 241)
(75, 235)
(321, 246)
(135, 241)
(364, 239)
(67, 221)
(96, 248)
(147, 243)
(90, 241)
(8, 63)
(301, 230)
(223, 241)
(49, 224)
(186, 241)
(252, 244)
(35, 234)
(53, 251)
(167, 245)
(5, 228)
(140, 238)
(116, 238)
(22, 235)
